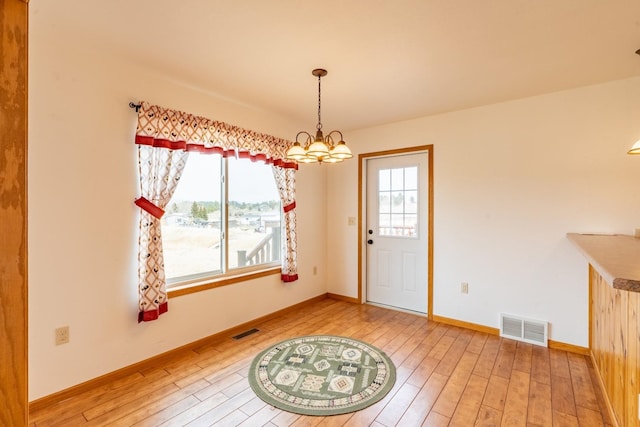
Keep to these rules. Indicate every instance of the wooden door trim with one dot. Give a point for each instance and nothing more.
(408, 150)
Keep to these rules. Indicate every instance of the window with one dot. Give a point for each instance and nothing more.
(398, 202)
(224, 218)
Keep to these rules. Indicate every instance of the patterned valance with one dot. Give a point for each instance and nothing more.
(176, 130)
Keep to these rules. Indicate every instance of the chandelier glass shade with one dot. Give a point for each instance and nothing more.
(321, 148)
(635, 148)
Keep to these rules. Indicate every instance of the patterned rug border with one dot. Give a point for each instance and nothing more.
(291, 403)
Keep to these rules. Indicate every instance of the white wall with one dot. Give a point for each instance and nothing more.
(83, 223)
(510, 181)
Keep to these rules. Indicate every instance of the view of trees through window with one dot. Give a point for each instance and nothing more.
(193, 226)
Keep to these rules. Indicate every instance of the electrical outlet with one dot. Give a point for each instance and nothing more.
(315, 270)
(464, 287)
(62, 335)
(351, 220)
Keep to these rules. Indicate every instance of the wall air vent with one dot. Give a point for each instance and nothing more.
(245, 334)
(522, 329)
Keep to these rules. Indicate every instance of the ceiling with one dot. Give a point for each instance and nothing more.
(387, 60)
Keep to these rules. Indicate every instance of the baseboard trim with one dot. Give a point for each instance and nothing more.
(70, 392)
(557, 345)
(467, 325)
(343, 298)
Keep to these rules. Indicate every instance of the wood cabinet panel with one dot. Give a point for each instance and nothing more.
(633, 356)
(615, 347)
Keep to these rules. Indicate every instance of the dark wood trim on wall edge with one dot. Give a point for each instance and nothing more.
(14, 117)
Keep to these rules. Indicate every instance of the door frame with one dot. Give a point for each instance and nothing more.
(362, 182)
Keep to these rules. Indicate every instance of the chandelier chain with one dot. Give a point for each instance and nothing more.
(319, 125)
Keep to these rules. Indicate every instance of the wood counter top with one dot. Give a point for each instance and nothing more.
(616, 257)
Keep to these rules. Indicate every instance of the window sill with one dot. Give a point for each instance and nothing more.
(192, 288)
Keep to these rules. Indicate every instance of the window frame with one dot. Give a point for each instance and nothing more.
(197, 282)
(217, 282)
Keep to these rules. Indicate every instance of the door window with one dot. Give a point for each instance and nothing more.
(398, 202)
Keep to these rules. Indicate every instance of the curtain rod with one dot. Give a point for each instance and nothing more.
(136, 106)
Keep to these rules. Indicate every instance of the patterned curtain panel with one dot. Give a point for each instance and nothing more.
(160, 171)
(286, 182)
(164, 138)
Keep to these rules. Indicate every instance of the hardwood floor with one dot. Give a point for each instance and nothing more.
(445, 376)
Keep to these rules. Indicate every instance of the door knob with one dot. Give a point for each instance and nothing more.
(370, 241)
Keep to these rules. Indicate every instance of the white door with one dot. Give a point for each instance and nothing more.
(396, 231)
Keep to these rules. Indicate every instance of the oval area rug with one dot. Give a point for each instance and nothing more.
(321, 375)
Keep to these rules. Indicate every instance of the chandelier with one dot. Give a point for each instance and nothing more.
(319, 149)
